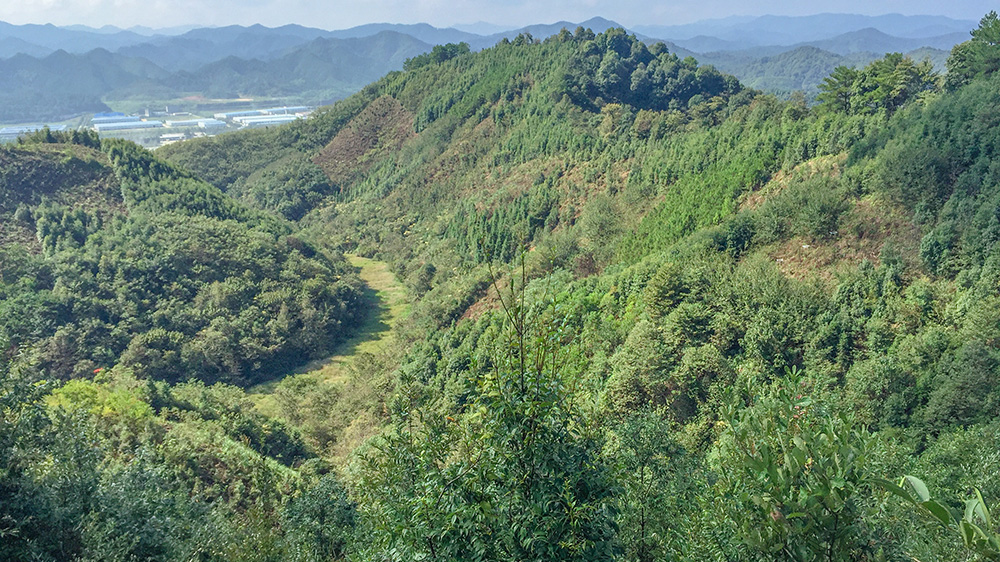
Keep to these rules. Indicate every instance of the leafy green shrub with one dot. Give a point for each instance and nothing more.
(797, 471)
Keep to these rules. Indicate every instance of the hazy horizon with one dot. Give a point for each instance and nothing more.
(159, 14)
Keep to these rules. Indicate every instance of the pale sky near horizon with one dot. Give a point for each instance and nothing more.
(337, 14)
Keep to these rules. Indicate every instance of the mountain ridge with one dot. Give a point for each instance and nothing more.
(193, 55)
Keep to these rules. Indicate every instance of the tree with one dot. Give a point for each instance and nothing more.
(836, 89)
(648, 467)
(517, 476)
(48, 471)
(977, 57)
(555, 491)
(319, 523)
(883, 86)
(24, 427)
(796, 470)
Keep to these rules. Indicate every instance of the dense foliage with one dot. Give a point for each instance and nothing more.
(883, 86)
(169, 276)
(615, 68)
(438, 54)
(682, 323)
(978, 56)
(123, 469)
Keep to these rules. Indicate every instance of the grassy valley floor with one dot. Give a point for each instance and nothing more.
(387, 304)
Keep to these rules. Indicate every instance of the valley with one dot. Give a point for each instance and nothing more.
(387, 303)
(572, 295)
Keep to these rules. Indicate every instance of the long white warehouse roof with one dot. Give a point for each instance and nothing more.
(126, 126)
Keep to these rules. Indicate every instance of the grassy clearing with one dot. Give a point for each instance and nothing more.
(375, 334)
(387, 299)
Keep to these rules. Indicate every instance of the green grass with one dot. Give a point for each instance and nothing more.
(388, 304)
(389, 299)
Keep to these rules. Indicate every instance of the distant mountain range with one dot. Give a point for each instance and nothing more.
(745, 32)
(49, 72)
(320, 71)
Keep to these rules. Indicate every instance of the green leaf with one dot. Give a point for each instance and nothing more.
(984, 512)
(968, 532)
(918, 487)
(939, 511)
(895, 489)
(973, 510)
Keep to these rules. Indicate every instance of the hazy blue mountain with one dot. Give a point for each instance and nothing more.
(802, 68)
(51, 77)
(202, 46)
(873, 40)
(231, 33)
(70, 40)
(861, 41)
(709, 44)
(104, 30)
(937, 56)
(10, 46)
(199, 47)
(90, 72)
(63, 84)
(422, 31)
(438, 36)
(137, 29)
(322, 70)
(186, 48)
(317, 71)
(150, 31)
(482, 28)
(792, 30)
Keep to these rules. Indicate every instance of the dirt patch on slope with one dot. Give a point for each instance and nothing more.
(381, 127)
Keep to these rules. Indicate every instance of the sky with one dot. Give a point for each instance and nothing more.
(340, 14)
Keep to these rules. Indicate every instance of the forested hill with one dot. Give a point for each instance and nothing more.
(121, 259)
(655, 315)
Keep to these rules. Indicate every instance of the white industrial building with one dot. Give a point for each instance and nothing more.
(211, 124)
(271, 111)
(235, 114)
(125, 126)
(185, 123)
(286, 110)
(192, 123)
(168, 138)
(265, 120)
(114, 119)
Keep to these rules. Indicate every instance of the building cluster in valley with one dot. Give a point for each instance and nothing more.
(143, 126)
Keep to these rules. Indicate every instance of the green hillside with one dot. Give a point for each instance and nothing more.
(655, 315)
(122, 259)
